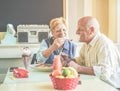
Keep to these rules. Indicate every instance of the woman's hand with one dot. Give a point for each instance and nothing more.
(58, 43)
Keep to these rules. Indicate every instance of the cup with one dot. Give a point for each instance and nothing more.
(26, 60)
(26, 56)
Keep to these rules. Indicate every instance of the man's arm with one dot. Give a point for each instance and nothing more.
(85, 70)
(72, 62)
(82, 69)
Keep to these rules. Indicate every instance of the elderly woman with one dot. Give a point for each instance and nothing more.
(57, 43)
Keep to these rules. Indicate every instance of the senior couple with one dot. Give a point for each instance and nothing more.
(98, 55)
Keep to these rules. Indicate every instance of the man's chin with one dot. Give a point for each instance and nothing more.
(81, 40)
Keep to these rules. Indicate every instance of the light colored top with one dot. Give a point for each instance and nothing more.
(103, 56)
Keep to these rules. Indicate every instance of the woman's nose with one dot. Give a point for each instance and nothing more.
(61, 30)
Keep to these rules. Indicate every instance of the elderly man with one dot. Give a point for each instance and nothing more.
(98, 56)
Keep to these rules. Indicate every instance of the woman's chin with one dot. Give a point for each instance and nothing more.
(61, 37)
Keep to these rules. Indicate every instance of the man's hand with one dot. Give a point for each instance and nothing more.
(65, 59)
(74, 65)
(64, 56)
(82, 69)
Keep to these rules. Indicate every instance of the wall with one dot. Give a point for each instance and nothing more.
(77, 9)
(100, 11)
(73, 15)
(104, 10)
(118, 21)
(106, 13)
(112, 33)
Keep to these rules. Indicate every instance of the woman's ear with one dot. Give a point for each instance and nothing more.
(50, 34)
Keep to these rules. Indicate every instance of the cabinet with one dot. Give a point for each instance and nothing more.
(15, 50)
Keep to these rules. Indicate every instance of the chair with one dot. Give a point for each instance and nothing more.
(34, 60)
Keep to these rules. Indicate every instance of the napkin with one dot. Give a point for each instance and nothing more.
(20, 73)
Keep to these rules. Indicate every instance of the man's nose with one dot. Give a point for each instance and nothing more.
(77, 32)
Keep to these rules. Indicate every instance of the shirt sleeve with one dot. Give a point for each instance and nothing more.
(108, 65)
(39, 56)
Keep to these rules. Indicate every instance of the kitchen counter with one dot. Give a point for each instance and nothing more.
(15, 50)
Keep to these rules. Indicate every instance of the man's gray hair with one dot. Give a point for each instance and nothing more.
(93, 23)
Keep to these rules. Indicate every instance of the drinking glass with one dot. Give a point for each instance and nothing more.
(26, 55)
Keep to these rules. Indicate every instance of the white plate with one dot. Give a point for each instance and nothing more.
(42, 67)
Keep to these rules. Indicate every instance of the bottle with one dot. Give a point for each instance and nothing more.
(57, 65)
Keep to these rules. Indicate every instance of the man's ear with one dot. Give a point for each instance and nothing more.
(92, 30)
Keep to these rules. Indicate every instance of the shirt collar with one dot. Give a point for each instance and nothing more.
(92, 43)
(66, 45)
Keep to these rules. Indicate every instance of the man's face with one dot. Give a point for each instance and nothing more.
(84, 33)
(60, 31)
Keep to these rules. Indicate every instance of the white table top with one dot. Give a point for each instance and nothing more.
(34, 76)
(40, 81)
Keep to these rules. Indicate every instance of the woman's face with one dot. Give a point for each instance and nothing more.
(60, 31)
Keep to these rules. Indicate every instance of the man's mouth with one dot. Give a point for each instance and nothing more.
(80, 37)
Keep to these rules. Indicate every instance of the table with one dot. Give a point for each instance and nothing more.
(40, 81)
(34, 76)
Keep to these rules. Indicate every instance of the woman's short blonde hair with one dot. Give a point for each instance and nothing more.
(54, 22)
